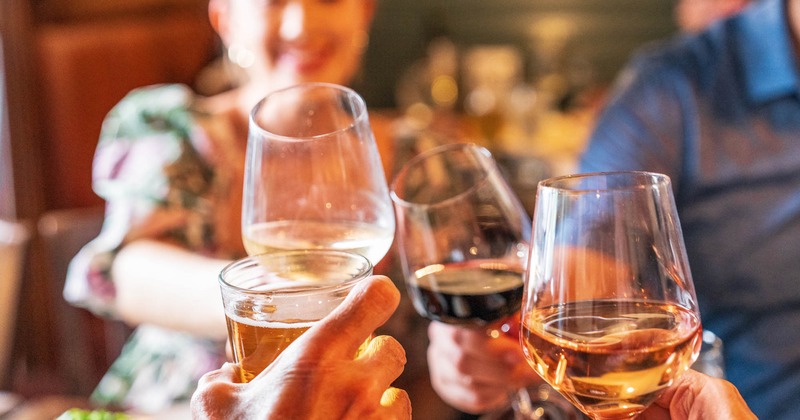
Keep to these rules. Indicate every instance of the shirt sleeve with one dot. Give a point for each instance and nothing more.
(643, 124)
(151, 179)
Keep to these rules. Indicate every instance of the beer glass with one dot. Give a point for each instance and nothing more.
(271, 299)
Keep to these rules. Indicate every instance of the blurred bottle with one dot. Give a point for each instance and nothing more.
(711, 360)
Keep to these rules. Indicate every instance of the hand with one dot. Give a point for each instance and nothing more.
(317, 377)
(696, 396)
(474, 372)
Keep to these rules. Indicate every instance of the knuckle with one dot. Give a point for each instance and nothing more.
(461, 362)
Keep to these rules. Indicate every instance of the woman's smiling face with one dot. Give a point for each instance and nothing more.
(284, 42)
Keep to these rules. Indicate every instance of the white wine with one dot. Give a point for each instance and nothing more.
(611, 358)
(369, 240)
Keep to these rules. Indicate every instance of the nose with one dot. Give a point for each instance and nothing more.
(294, 20)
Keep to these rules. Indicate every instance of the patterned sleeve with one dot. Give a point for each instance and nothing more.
(152, 178)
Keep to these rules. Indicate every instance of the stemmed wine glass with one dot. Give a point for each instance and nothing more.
(463, 238)
(609, 316)
(313, 176)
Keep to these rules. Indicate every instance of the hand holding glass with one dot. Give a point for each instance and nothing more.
(271, 299)
(609, 316)
(462, 235)
(463, 239)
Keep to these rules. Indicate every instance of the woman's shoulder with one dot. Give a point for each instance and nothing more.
(149, 109)
(149, 130)
(163, 94)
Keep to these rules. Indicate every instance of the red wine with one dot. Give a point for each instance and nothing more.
(475, 293)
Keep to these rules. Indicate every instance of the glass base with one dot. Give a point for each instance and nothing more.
(540, 402)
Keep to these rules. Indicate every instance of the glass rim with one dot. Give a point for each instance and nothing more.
(363, 273)
(560, 183)
(358, 118)
(433, 152)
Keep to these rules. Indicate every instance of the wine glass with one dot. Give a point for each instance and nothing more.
(313, 176)
(609, 317)
(463, 238)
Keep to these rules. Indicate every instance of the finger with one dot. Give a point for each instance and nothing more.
(690, 382)
(475, 341)
(368, 306)
(216, 392)
(473, 355)
(397, 403)
(383, 359)
(226, 373)
(394, 405)
(465, 390)
(468, 397)
(446, 378)
(696, 392)
(681, 392)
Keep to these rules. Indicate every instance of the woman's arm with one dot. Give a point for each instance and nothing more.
(169, 286)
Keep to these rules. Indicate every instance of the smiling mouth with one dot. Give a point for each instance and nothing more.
(304, 61)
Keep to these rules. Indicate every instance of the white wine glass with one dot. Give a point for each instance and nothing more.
(313, 176)
(463, 239)
(609, 317)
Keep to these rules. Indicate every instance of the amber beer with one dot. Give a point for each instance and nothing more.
(256, 345)
(271, 299)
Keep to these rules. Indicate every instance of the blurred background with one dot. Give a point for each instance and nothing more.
(528, 73)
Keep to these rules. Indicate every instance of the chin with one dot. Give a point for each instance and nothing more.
(319, 74)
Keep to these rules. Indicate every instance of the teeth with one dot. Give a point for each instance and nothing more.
(305, 55)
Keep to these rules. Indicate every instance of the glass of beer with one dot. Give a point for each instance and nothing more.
(271, 299)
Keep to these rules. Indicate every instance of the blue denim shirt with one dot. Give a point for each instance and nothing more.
(719, 113)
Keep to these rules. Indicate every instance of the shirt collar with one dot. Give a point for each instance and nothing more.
(765, 38)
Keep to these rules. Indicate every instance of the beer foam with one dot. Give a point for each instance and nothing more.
(294, 281)
(271, 324)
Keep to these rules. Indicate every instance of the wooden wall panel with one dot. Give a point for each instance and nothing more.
(88, 67)
(20, 129)
(61, 76)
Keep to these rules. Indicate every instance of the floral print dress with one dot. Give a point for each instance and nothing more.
(158, 167)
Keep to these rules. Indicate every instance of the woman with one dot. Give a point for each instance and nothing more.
(169, 165)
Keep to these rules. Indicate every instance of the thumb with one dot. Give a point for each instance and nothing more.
(368, 306)
(695, 393)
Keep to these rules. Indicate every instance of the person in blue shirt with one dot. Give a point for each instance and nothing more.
(694, 16)
(718, 112)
